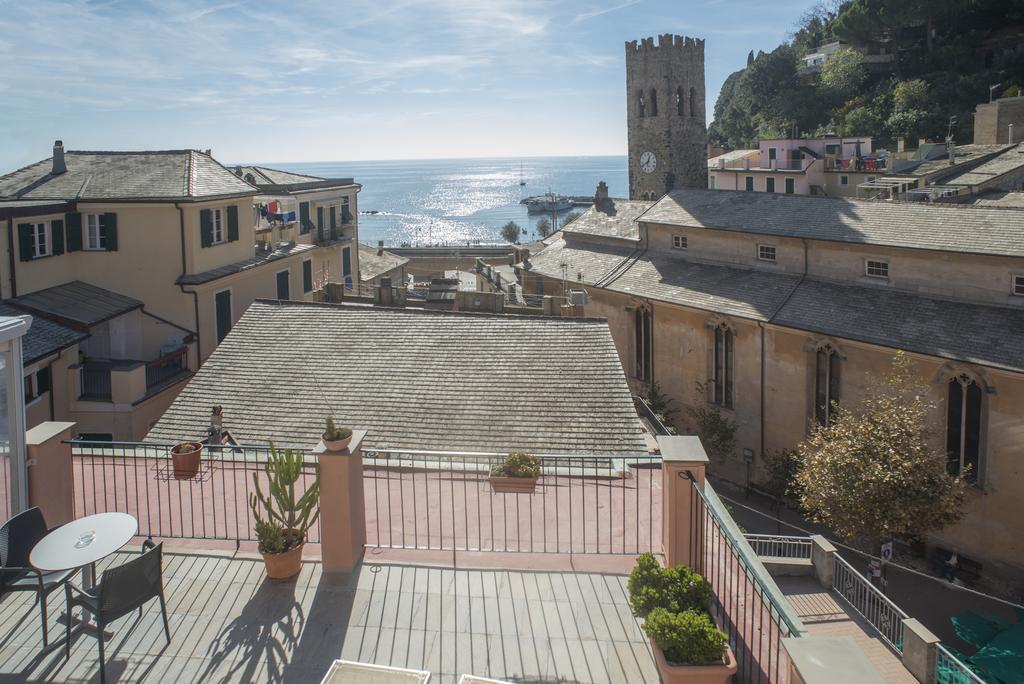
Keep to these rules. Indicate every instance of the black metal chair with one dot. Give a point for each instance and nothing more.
(18, 537)
(120, 591)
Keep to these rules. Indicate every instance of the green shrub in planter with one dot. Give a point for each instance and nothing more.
(674, 589)
(518, 464)
(687, 638)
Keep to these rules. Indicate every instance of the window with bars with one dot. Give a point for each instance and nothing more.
(766, 252)
(826, 384)
(679, 242)
(1018, 285)
(722, 365)
(876, 269)
(963, 427)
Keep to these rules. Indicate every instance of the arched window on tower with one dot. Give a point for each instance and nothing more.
(693, 102)
(680, 101)
(826, 384)
(654, 102)
(640, 109)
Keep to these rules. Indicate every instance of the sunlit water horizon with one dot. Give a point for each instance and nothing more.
(460, 201)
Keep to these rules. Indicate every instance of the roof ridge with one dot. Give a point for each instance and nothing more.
(354, 306)
(115, 152)
(190, 175)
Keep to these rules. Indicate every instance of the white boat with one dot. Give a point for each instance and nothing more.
(547, 202)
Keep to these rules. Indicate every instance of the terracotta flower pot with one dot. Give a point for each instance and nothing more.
(185, 460)
(512, 485)
(336, 444)
(282, 566)
(719, 673)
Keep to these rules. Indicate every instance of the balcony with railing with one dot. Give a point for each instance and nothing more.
(126, 381)
(453, 575)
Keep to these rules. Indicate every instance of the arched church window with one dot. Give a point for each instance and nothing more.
(963, 426)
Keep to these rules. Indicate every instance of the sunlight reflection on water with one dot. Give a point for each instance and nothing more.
(459, 201)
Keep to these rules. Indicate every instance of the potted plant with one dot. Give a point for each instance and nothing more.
(185, 459)
(336, 438)
(518, 473)
(281, 532)
(673, 603)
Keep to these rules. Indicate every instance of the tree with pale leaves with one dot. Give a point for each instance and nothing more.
(875, 472)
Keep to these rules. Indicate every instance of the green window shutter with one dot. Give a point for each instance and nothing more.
(25, 248)
(73, 226)
(57, 236)
(334, 217)
(206, 227)
(110, 231)
(232, 223)
(303, 217)
(320, 222)
(307, 276)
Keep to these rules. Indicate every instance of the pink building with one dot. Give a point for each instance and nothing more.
(819, 166)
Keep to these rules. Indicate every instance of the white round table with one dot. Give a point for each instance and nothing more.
(79, 544)
(82, 542)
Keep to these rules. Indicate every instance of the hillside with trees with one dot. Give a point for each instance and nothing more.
(944, 56)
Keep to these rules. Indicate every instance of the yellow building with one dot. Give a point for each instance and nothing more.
(778, 305)
(151, 257)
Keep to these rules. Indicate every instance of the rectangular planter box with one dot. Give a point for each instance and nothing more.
(513, 485)
(694, 674)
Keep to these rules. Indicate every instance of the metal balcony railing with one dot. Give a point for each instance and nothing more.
(95, 381)
(167, 367)
(777, 546)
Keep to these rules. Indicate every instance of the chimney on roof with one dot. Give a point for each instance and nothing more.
(380, 247)
(59, 166)
(208, 152)
(602, 193)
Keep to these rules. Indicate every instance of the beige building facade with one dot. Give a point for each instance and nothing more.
(144, 261)
(776, 306)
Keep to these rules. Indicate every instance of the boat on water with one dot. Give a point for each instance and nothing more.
(522, 180)
(547, 202)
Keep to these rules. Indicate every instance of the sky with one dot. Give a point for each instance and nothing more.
(311, 80)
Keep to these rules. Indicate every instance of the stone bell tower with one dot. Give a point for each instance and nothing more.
(665, 115)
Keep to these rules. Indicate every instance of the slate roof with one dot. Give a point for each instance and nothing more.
(267, 176)
(915, 323)
(729, 290)
(261, 258)
(990, 170)
(372, 264)
(877, 315)
(76, 303)
(613, 218)
(964, 154)
(414, 379)
(164, 175)
(44, 337)
(911, 225)
(1008, 200)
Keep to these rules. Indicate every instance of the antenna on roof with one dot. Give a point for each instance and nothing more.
(992, 89)
(950, 147)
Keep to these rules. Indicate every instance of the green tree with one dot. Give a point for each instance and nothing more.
(875, 472)
(570, 217)
(843, 75)
(544, 227)
(911, 94)
(510, 232)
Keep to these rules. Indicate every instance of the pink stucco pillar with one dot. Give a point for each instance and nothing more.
(51, 478)
(342, 505)
(682, 457)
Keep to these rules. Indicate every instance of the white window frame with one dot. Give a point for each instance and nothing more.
(713, 180)
(762, 253)
(42, 244)
(680, 242)
(870, 264)
(217, 236)
(1017, 284)
(99, 223)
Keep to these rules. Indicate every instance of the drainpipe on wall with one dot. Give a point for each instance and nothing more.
(10, 256)
(195, 295)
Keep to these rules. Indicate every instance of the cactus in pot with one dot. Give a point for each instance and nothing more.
(284, 516)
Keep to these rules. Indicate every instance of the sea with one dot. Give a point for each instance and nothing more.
(456, 202)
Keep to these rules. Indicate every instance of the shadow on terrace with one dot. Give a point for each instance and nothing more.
(430, 569)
